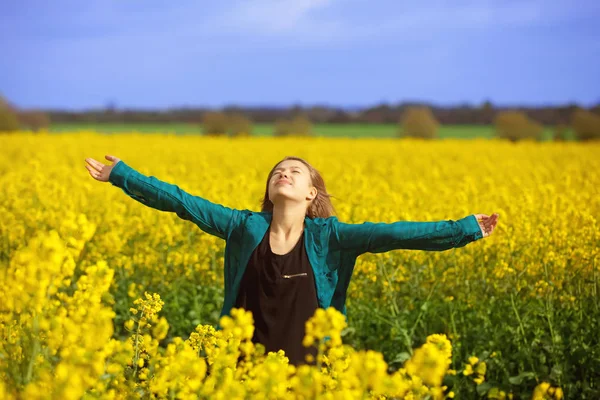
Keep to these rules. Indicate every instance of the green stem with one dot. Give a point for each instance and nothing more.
(320, 354)
(454, 331)
(548, 312)
(421, 312)
(595, 283)
(35, 350)
(514, 307)
(137, 347)
(395, 308)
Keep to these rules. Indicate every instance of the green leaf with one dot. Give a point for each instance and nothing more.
(516, 380)
(483, 388)
(348, 330)
(556, 373)
(400, 357)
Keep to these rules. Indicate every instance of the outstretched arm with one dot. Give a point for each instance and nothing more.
(212, 218)
(436, 236)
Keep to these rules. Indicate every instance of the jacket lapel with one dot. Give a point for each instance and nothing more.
(257, 225)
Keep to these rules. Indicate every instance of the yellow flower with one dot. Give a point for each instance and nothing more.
(539, 392)
(481, 368)
(161, 329)
(61, 251)
(428, 363)
(325, 325)
(129, 324)
(473, 360)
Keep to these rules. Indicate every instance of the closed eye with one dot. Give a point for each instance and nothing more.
(279, 173)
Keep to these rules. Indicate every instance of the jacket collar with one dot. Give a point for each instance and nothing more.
(264, 219)
(258, 222)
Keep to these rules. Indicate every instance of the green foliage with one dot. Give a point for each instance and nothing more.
(560, 132)
(300, 125)
(515, 126)
(418, 122)
(34, 120)
(8, 117)
(239, 125)
(523, 339)
(586, 125)
(214, 123)
(220, 123)
(282, 127)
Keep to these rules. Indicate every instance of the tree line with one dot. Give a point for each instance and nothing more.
(416, 120)
(483, 114)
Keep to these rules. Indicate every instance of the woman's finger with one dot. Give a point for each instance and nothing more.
(96, 164)
(91, 165)
(92, 172)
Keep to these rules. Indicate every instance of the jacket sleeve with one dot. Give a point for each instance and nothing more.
(212, 218)
(381, 237)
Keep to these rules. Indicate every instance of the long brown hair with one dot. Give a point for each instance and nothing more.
(320, 206)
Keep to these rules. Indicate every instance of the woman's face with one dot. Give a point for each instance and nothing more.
(291, 180)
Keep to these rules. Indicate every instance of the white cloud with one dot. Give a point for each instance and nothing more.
(301, 19)
(319, 23)
(275, 16)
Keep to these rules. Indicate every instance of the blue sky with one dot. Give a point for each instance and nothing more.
(154, 54)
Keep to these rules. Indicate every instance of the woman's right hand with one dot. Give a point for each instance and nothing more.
(487, 223)
(99, 171)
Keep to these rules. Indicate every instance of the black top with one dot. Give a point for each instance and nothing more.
(280, 291)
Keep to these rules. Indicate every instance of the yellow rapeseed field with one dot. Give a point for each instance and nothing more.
(103, 297)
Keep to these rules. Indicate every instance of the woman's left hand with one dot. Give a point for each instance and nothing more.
(487, 223)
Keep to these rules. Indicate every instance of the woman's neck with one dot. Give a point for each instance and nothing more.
(288, 222)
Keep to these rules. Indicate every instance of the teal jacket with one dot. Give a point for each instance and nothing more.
(332, 246)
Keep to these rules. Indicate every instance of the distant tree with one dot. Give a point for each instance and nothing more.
(34, 120)
(487, 112)
(295, 111)
(380, 114)
(8, 116)
(319, 114)
(515, 125)
(282, 127)
(560, 132)
(586, 125)
(300, 125)
(418, 122)
(214, 123)
(239, 124)
(340, 117)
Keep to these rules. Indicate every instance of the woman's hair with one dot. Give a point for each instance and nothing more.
(320, 206)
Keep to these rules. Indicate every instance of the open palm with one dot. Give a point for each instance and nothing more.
(98, 170)
(487, 223)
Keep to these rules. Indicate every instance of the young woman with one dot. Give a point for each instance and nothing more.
(293, 256)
